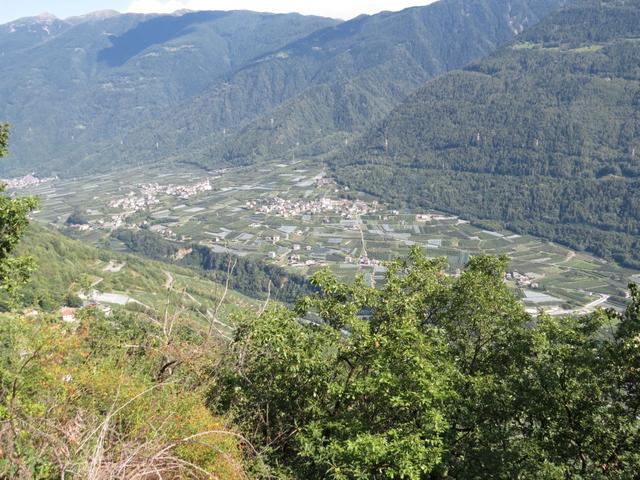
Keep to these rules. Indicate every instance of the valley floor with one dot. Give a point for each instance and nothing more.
(294, 216)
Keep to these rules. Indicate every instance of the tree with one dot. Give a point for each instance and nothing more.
(361, 394)
(435, 377)
(77, 218)
(14, 220)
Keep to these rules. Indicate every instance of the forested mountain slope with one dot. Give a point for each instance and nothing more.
(226, 87)
(66, 85)
(543, 136)
(311, 95)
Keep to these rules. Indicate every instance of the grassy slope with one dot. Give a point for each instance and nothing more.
(67, 266)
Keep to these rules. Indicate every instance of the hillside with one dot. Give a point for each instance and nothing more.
(66, 85)
(67, 268)
(251, 277)
(228, 87)
(103, 393)
(542, 137)
(313, 94)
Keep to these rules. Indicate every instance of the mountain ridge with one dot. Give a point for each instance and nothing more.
(303, 91)
(333, 87)
(60, 99)
(541, 137)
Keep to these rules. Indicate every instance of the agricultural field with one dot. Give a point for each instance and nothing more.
(294, 216)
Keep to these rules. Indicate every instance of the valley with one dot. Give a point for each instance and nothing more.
(248, 245)
(296, 217)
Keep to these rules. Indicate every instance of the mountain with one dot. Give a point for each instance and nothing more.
(313, 94)
(66, 85)
(542, 137)
(231, 87)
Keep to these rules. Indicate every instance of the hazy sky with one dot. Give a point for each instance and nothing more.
(12, 9)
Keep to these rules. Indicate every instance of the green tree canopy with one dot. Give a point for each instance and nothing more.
(435, 377)
(77, 217)
(14, 219)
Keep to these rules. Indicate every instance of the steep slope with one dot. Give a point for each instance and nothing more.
(311, 95)
(66, 85)
(543, 136)
(66, 267)
(25, 33)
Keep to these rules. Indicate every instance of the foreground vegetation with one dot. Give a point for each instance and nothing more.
(428, 377)
(108, 398)
(14, 270)
(435, 377)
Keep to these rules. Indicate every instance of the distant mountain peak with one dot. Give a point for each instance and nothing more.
(46, 22)
(92, 16)
(46, 17)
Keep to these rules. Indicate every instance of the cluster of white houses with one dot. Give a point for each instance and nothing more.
(25, 182)
(293, 208)
(521, 279)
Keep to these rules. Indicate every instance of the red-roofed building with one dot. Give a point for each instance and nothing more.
(68, 314)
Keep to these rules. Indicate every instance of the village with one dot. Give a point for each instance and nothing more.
(350, 209)
(149, 194)
(26, 181)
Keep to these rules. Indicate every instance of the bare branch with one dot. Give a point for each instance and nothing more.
(230, 269)
(266, 303)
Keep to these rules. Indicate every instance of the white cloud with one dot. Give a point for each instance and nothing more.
(330, 8)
